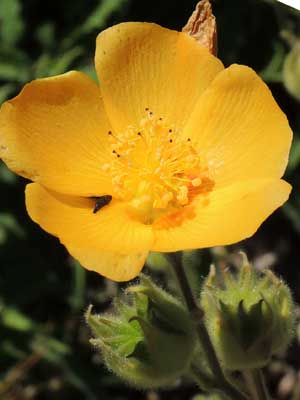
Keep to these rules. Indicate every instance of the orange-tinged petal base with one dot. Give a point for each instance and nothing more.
(225, 216)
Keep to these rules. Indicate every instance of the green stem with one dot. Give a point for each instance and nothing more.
(262, 390)
(204, 381)
(251, 384)
(197, 314)
(255, 382)
(185, 287)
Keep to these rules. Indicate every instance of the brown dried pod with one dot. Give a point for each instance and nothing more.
(202, 26)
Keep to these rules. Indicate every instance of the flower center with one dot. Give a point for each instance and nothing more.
(155, 169)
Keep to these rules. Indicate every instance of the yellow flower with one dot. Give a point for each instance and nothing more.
(187, 153)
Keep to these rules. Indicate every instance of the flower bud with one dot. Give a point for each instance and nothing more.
(149, 341)
(291, 71)
(250, 318)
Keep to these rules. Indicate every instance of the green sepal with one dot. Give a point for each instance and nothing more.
(130, 369)
(121, 336)
(165, 308)
(161, 346)
(149, 340)
(249, 317)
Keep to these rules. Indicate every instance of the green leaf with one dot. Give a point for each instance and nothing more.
(292, 213)
(195, 269)
(42, 65)
(45, 35)
(95, 21)
(46, 65)
(6, 176)
(291, 71)
(12, 70)
(15, 319)
(11, 23)
(89, 70)
(5, 92)
(52, 349)
(9, 224)
(294, 159)
(64, 61)
(77, 296)
(101, 13)
(15, 65)
(9, 347)
(273, 71)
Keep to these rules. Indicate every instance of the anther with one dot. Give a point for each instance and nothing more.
(169, 175)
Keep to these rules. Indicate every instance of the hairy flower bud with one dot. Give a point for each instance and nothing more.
(149, 341)
(249, 318)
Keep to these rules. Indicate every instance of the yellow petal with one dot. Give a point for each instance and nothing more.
(55, 132)
(115, 266)
(239, 127)
(226, 216)
(90, 236)
(142, 65)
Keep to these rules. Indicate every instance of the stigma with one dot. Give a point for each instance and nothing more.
(155, 168)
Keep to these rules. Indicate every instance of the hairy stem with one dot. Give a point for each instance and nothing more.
(197, 315)
(262, 390)
(202, 378)
(251, 384)
(255, 382)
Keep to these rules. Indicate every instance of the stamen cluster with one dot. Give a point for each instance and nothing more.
(153, 166)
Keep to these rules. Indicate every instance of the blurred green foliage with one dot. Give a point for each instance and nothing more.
(44, 342)
(56, 53)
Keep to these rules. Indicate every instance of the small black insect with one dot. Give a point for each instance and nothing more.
(101, 202)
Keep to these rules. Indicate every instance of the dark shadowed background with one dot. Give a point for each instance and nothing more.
(44, 348)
